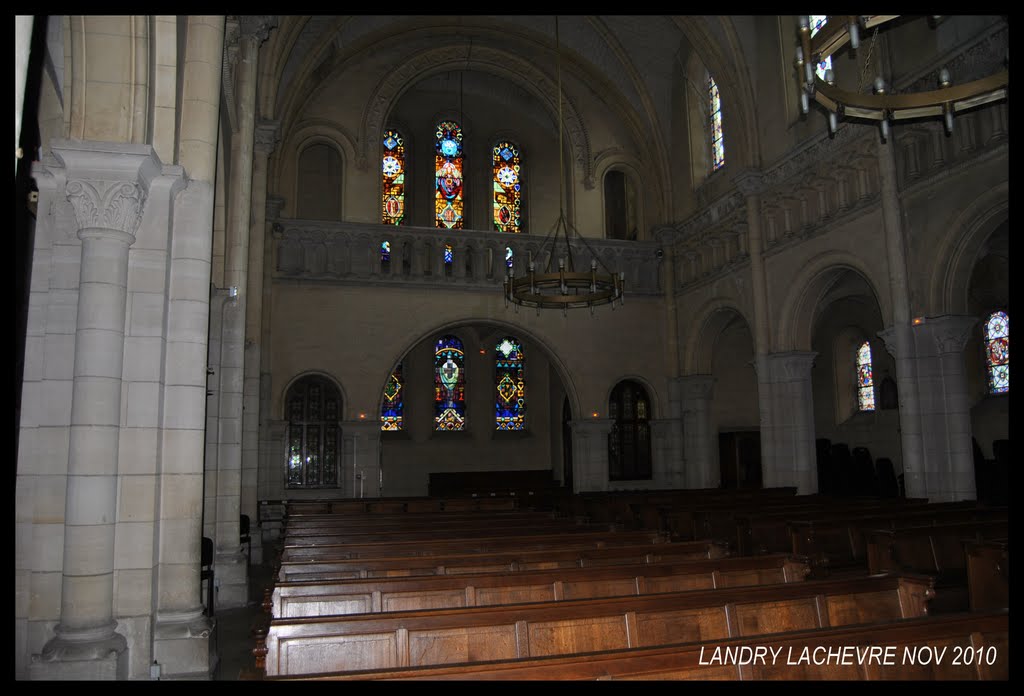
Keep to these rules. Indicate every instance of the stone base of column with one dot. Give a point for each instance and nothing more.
(102, 659)
(184, 645)
(231, 575)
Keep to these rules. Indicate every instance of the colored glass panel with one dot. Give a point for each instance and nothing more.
(817, 22)
(314, 407)
(865, 379)
(507, 169)
(448, 195)
(448, 254)
(997, 352)
(510, 385)
(508, 256)
(393, 176)
(385, 251)
(629, 442)
(717, 142)
(392, 406)
(449, 384)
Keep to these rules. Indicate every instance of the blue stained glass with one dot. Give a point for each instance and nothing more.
(997, 352)
(449, 384)
(390, 142)
(508, 256)
(506, 154)
(865, 378)
(510, 386)
(391, 407)
(385, 251)
(448, 253)
(449, 148)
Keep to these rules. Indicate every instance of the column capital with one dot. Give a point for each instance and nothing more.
(888, 336)
(107, 183)
(274, 206)
(257, 27)
(266, 136)
(789, 366)
(949, 332)
(696, 387)
(592, 427)
(232, 32)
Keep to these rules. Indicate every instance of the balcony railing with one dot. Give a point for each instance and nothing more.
(351, 252)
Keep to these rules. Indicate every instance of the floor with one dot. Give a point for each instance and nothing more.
(234, 626)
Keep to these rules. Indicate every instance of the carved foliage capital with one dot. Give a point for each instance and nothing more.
(112, 205)
(950, 333)
(257, 26)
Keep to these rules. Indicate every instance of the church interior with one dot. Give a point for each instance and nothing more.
(508, 296)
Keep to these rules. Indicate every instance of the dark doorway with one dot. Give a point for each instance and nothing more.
(739, 457)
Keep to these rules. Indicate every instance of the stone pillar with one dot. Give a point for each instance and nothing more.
(794, 460)
(107, 185)
(898, 338)
(945, 408)
(695, 392)
(271, 450)
(590, 454)
(266, 136)
(231, 567)
(360, 474)
(22, 48)
(751, 184)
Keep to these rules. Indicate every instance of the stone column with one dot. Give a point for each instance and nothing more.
(898, 338)
(695, 392)
(945, 408)
(673, 470)
(266, 136)
(667, 453)
(794, 461)
(107, 185)
(231, 564)
(22, 48)
(360, 474)
(590, 454)
(751, 184)
(271, 449)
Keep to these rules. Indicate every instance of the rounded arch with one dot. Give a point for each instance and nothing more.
(703, 331)
(311, 134)
(652, 393)
(616, 159)
(799, 310)
(280, 401)
(960, 248)
(516, 330)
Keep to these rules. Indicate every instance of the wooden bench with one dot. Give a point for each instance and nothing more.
(321, 536)
(451, 564)
(988, 574)
(477, 634)
(977, 648)
(292, 600)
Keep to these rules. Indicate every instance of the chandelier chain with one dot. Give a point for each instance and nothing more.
(867, 62)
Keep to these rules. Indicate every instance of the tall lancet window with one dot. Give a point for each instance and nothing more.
(817, 22)
(391, 408)
(393, 179)
(865, 379)
(508, 180)
(997, 352)
(449, 384)
(717, 144)
(448, 196)
(510, 385)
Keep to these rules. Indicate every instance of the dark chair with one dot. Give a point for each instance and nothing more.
(243, 532)
(206, 573)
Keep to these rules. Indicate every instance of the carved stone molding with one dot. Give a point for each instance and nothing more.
(950, 333)
(792, 366)
(266, 136)
(696, 387)
(257, 27)
(109, 205)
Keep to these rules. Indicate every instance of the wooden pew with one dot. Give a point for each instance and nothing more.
(477, 634)
(477, 544)
(328, 536)
(936, 550)
(988, 574)
(977, 648)
(516, 560)
(293, 600)
(838, 542)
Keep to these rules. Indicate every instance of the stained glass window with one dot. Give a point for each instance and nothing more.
(717, 144)
(391, 407)
(865, 379)
(393, 175)
(629, 442)
(508, 179)
(448, 254)
(448, 176)
(997, 352)
(817, 22)
(510, 386)
(385, 251)
(508, 256)
(449, 384)
(313, 409)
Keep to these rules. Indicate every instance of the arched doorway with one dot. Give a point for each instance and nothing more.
(629, 443)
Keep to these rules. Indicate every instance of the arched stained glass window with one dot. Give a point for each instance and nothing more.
(449, 384)
(508, 256)
(629, 442)
(313, 411)
(510, 385)
(997, 352)
(508, 175)
(448, 196)
(391, 408)
(865, 379)
(385, 253)
(717, 144)
(817, 22)
(393, 175)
